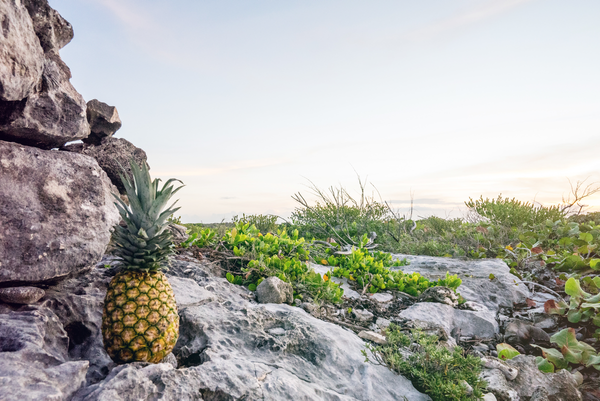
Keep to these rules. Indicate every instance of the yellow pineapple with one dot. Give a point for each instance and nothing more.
(140, 320)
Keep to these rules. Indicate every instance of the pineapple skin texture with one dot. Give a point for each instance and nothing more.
(140, 322)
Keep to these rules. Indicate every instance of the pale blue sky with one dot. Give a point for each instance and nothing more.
(448, 99)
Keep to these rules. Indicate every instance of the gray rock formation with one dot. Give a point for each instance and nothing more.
(33, 358)
(560, 386)
(39, 106)
(104, 121)
(53, 31)
(504, 290)
(274, 290)
(111, 154)
(21, 58)
(21, 295)
(57, 210)
(481, 324)
(229, 348)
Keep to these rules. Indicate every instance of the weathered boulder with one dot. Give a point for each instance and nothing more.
(232, 348)
(52, 30)
(104, 121)
(33, 357)
(503, 290)
(274, 290)
(111, 154)
(470, 323)
(39, 106)
(21, 58)
(21, 295)
(49, 117)
(55, 216)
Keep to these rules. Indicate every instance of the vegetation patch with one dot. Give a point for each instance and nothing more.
(433, 369)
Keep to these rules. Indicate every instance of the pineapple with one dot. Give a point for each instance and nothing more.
(140, 320)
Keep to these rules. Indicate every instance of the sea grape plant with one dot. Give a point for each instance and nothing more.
(571, 351)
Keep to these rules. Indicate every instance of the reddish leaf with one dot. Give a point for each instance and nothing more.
(560, 282)
(536, 250)
(553, 308)
(530, 302)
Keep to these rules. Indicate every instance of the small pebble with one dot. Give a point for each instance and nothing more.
(21, 295)
(372, 336)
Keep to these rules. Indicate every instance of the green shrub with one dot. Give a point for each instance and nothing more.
(431, 367)
(511, 212)
(339, 216)
(265, 223)
(369, 272)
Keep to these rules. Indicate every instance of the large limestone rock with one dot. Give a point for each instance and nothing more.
(502, 291)
(55, 216)
(51, 116)
(229, 348)
(33, 358)
(21, 57)
(104, 121)
(53, 31)
(39, 106)
(112, 155)
(481, 324)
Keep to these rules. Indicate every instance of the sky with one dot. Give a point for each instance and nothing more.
(438, 101)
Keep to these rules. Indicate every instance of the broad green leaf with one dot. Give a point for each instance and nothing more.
(573, 289)
(544, 365)
(572, 355)
(574, 315)
(506, 351)
(554, 356)
(593, 360)
(596, 281)
(587, 237)
(565, 337)
(595, 305)
(565, 241)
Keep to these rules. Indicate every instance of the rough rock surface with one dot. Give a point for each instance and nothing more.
(57, 210)
(504, 290)
(21, 58)
(482, 324)
(274, 290)
(111, 155)
(104, 121)
(21, 295)
(33, 357)
(53, 31)
(560, 386)
(229, 348)
(42, 108)
(178, 232)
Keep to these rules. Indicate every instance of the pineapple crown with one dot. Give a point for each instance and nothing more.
(144, 244)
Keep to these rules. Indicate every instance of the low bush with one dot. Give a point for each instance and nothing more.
(432, 368)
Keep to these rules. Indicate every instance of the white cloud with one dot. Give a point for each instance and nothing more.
(471, 16)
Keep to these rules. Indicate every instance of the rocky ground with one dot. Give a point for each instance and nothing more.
(232, 347)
